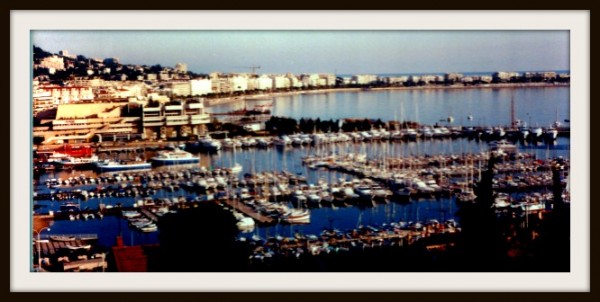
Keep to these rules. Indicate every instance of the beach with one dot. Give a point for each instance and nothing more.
(221, 101)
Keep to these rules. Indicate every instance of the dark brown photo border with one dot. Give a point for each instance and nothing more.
(335, 5)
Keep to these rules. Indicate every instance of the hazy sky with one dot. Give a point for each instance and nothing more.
(344, 52)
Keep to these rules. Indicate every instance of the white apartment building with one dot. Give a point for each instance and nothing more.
(264, 82)
(281, 82)
(238, 83)
(179, 88)
(428, 79)
(329, 79)
(503, 76)
(310, 80)
(63, 95)
(294, 81)
(53, 62)
(396, 80)
(174, 119)
(201, 86)
(364, 79)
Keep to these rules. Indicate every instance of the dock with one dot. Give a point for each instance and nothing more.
(50, 247)
(149, 214)
(246, 210)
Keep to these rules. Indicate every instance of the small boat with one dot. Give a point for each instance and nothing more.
(503, 146)
(245, 224)
(175, 157)
(111, 165)
(149, 228)
(297, 216)
(210, 144)
(536, 132)
(62, 238)
(551, 134)
(71, 162)
(237, 168)
(81, 247)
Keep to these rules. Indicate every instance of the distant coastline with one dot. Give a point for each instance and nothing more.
(227, 100)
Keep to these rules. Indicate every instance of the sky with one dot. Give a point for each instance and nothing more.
(340, 52)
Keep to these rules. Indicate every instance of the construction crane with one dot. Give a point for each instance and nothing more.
(253, 67)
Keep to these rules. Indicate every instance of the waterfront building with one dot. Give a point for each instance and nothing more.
(501, 76)
(364, 79)
(294, 81)
(114, 120)
(486, 79)
(87, 122)
(414, 79)
(327, 79)
(547, 75)
(264, 83)
(563, 76)
(220, 84)
(252, 83)
(174, 119)
(280, 82)
(396, 80)
(238, 83)
(309, 80)
(429, 79)
(200, 87)
(453, 77)
(178, 88)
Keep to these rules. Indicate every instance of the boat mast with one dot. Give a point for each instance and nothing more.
(512, 110)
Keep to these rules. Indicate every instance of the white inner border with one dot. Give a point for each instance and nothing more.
(21, 280)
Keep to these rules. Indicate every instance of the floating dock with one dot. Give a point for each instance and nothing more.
(248, 211)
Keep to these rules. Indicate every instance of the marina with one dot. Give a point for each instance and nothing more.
(327, 178)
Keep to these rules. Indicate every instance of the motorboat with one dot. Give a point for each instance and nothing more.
(175, 157)
(112, 165)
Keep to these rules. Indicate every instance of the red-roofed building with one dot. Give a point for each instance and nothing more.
(130, 258)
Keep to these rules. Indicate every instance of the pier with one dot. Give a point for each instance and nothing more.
(149, 214)
(246, 210)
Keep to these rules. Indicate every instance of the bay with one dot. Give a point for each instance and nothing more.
(488, 106)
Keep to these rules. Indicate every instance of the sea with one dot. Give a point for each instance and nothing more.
(487, 106)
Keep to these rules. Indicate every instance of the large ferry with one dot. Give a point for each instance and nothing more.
(112, 165)
(174, 157)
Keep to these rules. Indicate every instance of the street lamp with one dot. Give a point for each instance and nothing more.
(38, 246)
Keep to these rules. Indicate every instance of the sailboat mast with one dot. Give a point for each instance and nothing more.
(512, 110)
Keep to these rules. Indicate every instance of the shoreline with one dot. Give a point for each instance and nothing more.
(228, 100)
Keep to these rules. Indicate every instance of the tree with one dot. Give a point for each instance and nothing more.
(200, 239)
(156, 68)
(482, 246)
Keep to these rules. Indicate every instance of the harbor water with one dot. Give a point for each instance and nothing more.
(538, 106)
(487, 106)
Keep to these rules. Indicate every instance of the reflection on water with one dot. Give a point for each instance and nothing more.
(488, 106)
